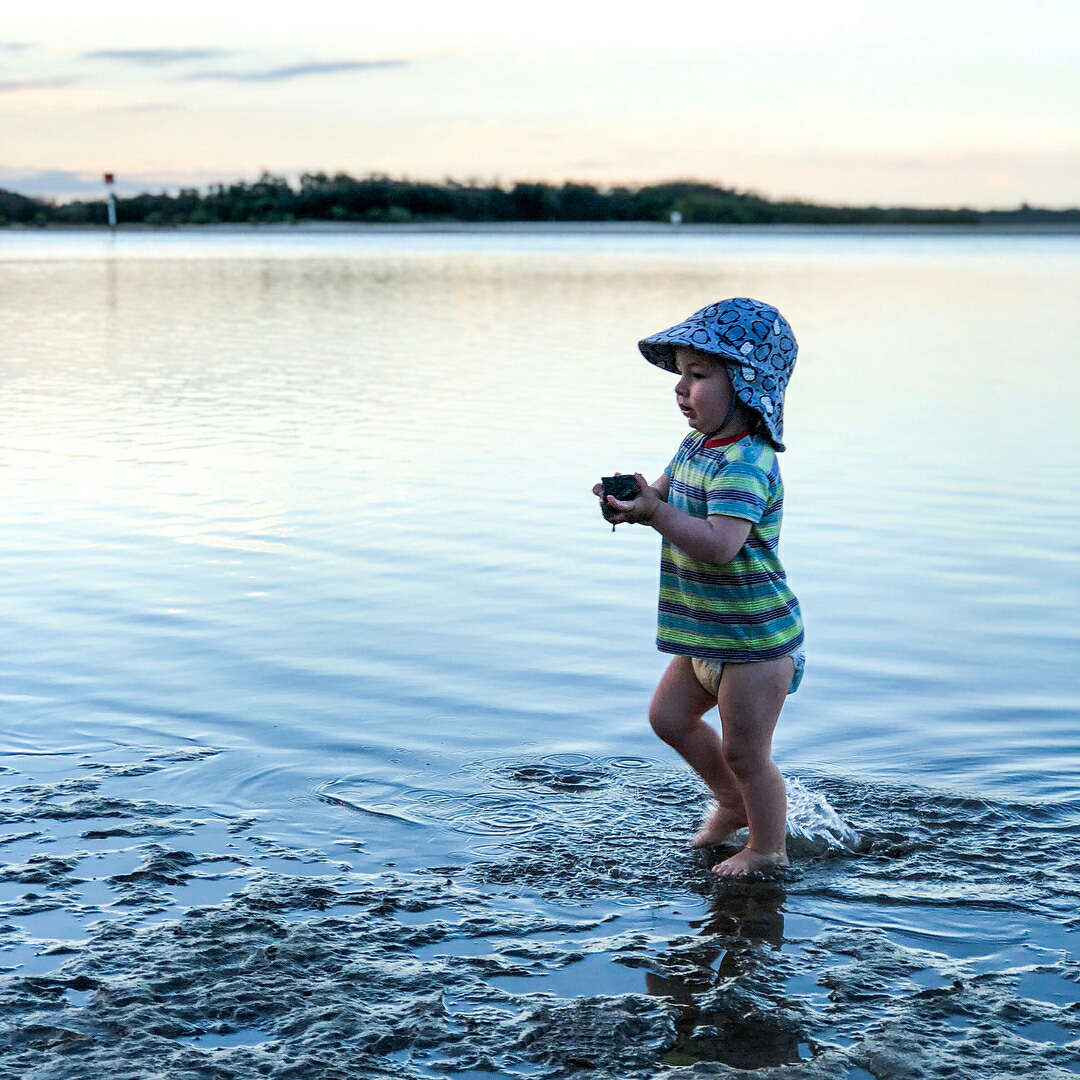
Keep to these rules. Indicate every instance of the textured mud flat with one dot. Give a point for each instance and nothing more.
(918, 935)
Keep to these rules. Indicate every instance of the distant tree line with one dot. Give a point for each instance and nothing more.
(381, 199)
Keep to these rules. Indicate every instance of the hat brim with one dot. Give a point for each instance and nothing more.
(660, 349)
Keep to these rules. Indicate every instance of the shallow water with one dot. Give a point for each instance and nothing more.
(324, 682)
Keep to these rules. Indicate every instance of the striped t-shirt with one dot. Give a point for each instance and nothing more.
(742, 610)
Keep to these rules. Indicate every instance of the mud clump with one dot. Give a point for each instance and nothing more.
(343, 989)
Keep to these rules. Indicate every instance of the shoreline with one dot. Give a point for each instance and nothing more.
(608, 228)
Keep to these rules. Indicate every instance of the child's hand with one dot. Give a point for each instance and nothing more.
(639, 510)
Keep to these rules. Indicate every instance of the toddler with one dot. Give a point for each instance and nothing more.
(726, 611)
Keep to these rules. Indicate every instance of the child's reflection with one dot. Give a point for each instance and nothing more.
(719, 1020)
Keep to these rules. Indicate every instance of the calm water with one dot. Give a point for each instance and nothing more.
(324, 682)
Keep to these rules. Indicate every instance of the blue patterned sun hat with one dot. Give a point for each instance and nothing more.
(756, 342)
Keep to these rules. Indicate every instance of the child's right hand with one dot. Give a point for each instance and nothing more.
(605, 508)
(638, 511)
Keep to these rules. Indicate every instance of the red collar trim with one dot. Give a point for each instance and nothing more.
(712, 443)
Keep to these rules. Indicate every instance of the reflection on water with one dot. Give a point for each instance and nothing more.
(712, 1023)
(320, 669)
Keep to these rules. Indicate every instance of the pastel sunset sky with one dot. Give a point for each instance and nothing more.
(928, 102)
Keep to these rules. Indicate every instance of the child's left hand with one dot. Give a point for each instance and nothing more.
(639, 511)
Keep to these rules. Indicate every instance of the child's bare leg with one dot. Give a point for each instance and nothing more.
(678, 706)
(750, 699)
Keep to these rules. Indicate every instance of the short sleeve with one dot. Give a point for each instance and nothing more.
(669, 472)
(740, 489)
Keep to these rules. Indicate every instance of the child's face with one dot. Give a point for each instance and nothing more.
(703, 390)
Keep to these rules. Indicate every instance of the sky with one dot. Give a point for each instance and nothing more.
(925, 103)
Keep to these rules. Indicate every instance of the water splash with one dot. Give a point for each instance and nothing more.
(813, 826)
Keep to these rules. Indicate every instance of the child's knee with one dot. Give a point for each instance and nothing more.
(742, 760)
(670, 725)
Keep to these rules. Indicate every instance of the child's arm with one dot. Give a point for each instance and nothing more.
(715, 539)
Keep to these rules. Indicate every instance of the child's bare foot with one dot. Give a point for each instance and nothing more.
(749, 861)
(719, 826)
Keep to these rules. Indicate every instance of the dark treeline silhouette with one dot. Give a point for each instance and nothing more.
(381, 199)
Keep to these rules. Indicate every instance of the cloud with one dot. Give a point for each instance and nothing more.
(50, 182)
(65, 184)
(149, 107)
(19, 86)
(153, 57)
(13, 46)
(296, 71)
